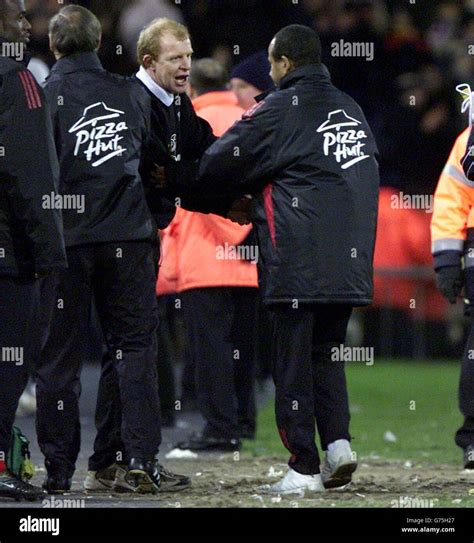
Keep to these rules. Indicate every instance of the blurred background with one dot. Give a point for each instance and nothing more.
(407, 93)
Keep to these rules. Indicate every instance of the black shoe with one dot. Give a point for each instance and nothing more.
(56, 483)
(172, 482)
(143, 476)
(202, 443)
(469, 457)
(12, 487)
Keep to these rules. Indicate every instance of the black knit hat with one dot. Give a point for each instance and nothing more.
(255, 70)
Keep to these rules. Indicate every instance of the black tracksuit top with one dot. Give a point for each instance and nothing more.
(308, 156)
(31, 239)
(102, 128)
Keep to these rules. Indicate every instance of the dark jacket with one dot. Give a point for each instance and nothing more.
(31, 239)
(102, 126)
(179, 138)
(308, 156)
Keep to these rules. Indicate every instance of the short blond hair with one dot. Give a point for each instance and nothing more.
(149, 42)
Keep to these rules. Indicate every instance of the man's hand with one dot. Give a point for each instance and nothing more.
(450, 282)
(240, 211)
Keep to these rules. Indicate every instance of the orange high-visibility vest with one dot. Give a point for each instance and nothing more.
(193, 244)
(453, 217)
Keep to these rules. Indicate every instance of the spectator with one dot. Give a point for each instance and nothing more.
(250, 78)
(219, 294)
(138, 14)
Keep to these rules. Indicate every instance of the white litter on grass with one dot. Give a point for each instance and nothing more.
(276, 500)
(222, 482)
(415, 479)
(273, 473)
(471, 492)
(407, 464)
(181, 453)
(390, 437)
(257, 497)
(198, 474)
(360, 495)
(457, 500)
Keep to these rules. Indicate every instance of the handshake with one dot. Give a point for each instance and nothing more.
(240, 212)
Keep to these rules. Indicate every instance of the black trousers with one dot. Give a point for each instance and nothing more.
(310, 386)
(120, 278)
(19, 306)
(221, 325)
(108, 444)
(465, 434)
(167, 354)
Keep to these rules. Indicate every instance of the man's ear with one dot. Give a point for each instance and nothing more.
(147, 61)
(287, 64)
(53, 50)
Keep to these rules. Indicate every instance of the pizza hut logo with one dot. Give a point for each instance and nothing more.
(343, 139)
(98, 134)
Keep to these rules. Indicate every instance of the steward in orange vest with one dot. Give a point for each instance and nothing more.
(452, 232)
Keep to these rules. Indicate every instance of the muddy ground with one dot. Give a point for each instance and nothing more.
(228, 481)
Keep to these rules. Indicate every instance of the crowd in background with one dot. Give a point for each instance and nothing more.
(421, 52)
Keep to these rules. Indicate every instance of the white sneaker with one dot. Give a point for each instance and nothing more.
(103, 480)
(295, 483)
(339, 464)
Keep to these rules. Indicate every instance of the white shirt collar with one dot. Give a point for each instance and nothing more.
(166, 97)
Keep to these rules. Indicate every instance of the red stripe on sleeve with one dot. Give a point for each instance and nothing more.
(34, 86)
(269, 211)
(26, 89)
